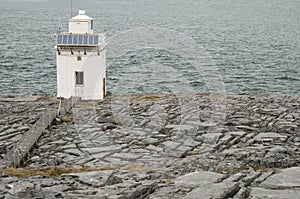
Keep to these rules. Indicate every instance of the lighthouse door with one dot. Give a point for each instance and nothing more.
(79, 84)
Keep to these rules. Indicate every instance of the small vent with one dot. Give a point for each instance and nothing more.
(78, 58)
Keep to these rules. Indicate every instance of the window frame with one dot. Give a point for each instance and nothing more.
(79, 78)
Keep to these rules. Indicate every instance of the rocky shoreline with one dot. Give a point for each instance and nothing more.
(17, 115)
(157, 146)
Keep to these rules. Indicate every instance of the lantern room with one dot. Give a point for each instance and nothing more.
(81, 24)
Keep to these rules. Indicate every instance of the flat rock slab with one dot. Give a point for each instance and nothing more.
(287, 178)
(221, 190)
(260, 193)
(184, 128)
(211, 138)
(237, 133)
(270, 136)
(198, 178)
(95, 150)
(89, 178)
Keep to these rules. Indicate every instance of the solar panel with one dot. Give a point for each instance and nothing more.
(85, 40)
(65, 37)
(96, 39)
(59, 39)
(91, 39)
(75, 39)
(80, 39)
(70, 39)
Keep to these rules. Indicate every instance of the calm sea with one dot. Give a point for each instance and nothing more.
(232, 46)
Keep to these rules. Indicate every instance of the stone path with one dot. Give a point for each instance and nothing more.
(184, 146)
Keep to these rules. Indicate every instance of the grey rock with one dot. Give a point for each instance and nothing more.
(263, 177)
(242, 193)
(89, 178)
(127, 156)
(150, 140)
(248, 128)
(85, 192)
(261, 193)
(154, 148)
(59, 142)
(184, 128)
(102, 155)
(226, 138)
(235, 152)
(198, 178)
(211, 138)
(108, 126)
(11, 131)
(75, 152)
(237, 133)
(106, 120)
(278, 149)
(285, 179)
(270, 136)
(110, 148)
(142, 190)
(9, 136)
(171, 144)
(23, 128)
(113, 179)
(19, 187)
(220, 190)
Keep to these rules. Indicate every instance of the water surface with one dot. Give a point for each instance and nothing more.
(253, 46)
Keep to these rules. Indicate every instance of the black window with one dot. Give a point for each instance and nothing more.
(92, 24)
(79, 78)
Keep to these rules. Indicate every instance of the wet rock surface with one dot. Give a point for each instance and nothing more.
(170, 146)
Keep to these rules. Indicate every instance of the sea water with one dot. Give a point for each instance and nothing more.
(169, 46)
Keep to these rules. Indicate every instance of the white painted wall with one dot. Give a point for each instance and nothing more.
(81, 23)
(80, 27)
(93, 66)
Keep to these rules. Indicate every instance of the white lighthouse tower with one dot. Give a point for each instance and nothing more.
(81, 60)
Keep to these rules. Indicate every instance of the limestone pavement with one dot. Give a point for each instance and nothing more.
(168, 146)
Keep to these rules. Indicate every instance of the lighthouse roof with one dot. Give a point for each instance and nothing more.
(81, 16)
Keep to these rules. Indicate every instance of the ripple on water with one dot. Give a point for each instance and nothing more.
(255, 49)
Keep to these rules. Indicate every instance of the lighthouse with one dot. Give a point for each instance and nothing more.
(81, 60)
